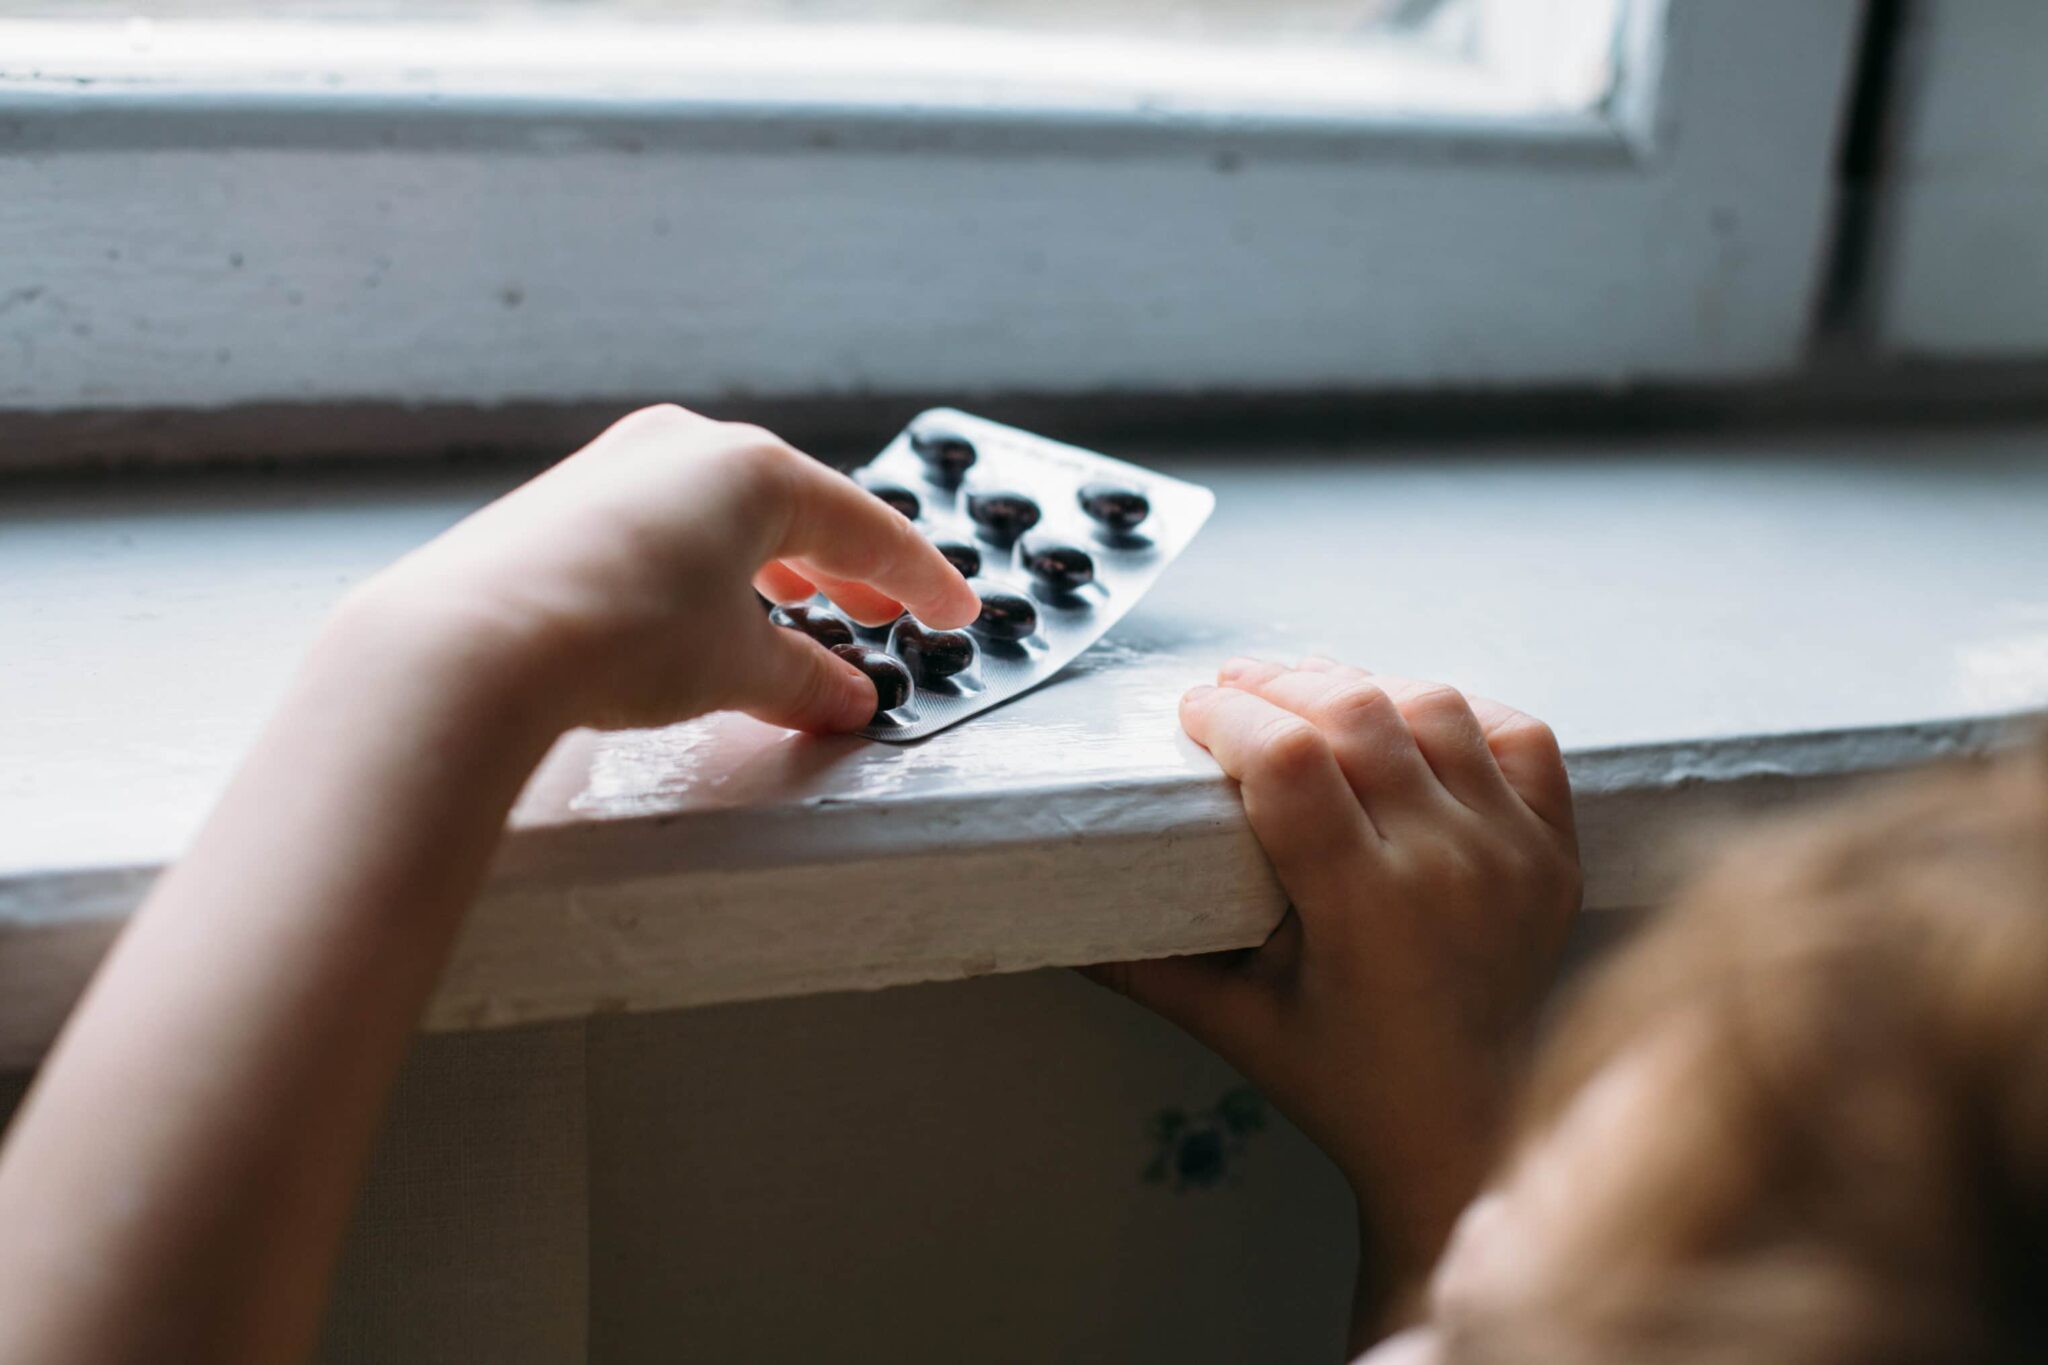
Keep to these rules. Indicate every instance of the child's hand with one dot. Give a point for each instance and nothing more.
(1426, 844)
(179, 1181)
(620, 579)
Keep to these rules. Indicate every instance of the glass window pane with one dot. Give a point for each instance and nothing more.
(1484, 57)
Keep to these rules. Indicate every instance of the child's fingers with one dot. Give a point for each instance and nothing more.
(1364, 730)
(1295, 796)
(1450, 738)
(1320, 663)
(858, 600)
(793, 681)
(1522, 746)
(839, 529)
(777, 582)
(1529, 759)
(1446, 733)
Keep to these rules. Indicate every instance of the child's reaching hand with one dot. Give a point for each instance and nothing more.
(622, 574)
(1425, 841)
(176, 1185)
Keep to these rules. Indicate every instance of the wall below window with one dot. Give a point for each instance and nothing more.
(938, 1173)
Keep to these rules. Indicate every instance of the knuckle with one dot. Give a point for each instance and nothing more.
(655, 418)
(1358, 704)
(755, 447)
(1530, 737)
(1289, 752)
(746, 435)
(1436, 704)
(1444, 866)
(759, 467)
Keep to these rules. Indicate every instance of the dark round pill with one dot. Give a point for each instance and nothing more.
(962, 556)
(1118, 509)
(947, 454)
(1059, 568)
(897, 496)
(891, 679)
(1003, 516)
(820, 625)
(931, 654)
(1005, 616)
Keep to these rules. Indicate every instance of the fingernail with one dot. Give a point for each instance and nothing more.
(1197, 693)
(1233, 667)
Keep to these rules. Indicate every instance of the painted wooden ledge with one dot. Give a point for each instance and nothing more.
(665, 911)
(1712, 625)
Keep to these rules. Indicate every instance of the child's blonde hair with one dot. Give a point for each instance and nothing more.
(1850, 1161)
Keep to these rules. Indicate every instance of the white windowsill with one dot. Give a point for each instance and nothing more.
(1709, 624)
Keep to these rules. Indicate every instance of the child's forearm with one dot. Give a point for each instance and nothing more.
(180, 1178)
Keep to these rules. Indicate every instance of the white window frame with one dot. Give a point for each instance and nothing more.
(201, 246)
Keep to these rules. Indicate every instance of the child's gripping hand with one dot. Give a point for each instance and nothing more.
(622, 580)
(1426, 843)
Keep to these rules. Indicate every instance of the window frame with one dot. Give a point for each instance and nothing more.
(209, 247)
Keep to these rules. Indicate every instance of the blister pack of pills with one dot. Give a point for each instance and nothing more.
(1060, 542)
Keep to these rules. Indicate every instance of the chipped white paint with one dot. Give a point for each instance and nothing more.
(207, 246)
(1708, 628)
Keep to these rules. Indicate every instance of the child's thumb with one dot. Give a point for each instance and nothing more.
(796, 682)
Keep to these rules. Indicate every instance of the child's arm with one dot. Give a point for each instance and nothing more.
(1426, 844)
(178, 1182)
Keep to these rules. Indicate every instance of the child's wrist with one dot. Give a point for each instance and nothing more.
(1414, 1181)
(1400, 1239)
(502, 666)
